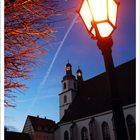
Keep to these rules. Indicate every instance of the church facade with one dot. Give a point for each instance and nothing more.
(85, 106)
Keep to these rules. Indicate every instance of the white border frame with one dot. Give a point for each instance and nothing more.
(2, 70)
(137, 70)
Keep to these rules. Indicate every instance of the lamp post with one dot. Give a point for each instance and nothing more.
(99, 17)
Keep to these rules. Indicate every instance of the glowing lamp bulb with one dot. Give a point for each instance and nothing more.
(99, 16)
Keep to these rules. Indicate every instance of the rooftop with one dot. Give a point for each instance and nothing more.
(93, 95)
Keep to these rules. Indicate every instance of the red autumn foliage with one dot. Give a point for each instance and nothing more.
(26, 22)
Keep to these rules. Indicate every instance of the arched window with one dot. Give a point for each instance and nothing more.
(73, 131)
(131, 127)
(92, 129)
(65, 98)
(105, 131)
(84, 133)
(64, 86)
(66, 135)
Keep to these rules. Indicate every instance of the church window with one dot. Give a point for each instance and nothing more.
(65, 98)
(73, 131)
(84, 133)
(105, 131)
(131, 127)
(64, 86)
(91, 129)
(66, 135)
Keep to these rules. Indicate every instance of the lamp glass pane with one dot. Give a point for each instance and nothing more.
(112, 11)
(86, 14)
(98, 9)
(104, 29)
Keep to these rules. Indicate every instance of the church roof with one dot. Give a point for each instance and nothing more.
(42, 124)
(93, 96)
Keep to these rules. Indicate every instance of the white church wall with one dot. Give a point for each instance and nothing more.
(85, 123)
(69, 85)
(99, 119)
(64, 105)
(64, 128)
(130, 110)
(80, 125)
(57, 134)
(69, 100)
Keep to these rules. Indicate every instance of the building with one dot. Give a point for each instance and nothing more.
(85, 106)
(8, 135)
(39, 128)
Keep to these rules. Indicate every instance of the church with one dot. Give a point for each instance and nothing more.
(85, 107)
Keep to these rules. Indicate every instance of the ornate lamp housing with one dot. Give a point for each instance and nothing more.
(99, 17)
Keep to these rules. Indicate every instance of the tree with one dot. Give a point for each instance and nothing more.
(26, 23)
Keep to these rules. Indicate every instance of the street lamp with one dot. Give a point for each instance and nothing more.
(99, 17)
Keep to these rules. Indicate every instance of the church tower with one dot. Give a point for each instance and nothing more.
(69, 90)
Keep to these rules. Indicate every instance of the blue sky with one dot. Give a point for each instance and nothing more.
(80, 50)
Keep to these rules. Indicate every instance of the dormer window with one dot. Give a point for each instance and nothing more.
(65, 98)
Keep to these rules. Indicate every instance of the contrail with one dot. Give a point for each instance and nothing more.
(52, 63)
(57, 52)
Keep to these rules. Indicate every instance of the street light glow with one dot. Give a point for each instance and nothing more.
(113, 10)
(104, 29)
(99, 16)
(100, 13)
(86, 15)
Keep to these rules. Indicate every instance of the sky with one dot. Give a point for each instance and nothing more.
(73, 44)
